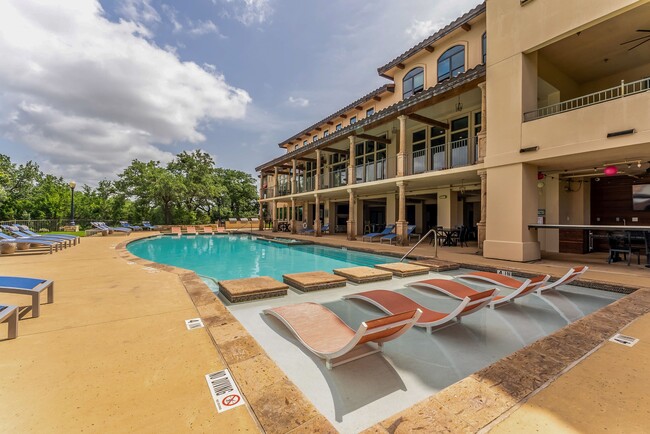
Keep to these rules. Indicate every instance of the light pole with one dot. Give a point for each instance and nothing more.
(72, 185)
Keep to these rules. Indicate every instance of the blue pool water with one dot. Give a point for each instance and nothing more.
(224, 257)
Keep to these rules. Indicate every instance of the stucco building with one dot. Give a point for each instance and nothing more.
(510, 113)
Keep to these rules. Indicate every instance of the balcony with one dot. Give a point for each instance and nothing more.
(621, 91)
(458, 153)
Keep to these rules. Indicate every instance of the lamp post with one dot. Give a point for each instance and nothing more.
(72, 185)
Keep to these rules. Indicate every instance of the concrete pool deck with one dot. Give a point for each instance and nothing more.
(113, 354)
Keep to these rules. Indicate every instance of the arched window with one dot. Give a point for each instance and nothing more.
(484, 47)
(413, 82)
(451, 63)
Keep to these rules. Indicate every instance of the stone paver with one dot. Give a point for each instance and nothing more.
(363, 274)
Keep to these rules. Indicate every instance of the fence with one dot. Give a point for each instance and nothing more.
(54, 224)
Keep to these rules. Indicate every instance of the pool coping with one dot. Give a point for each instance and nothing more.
(468, 405)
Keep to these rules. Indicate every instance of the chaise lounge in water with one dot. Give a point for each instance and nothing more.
(323, 333)
(392, 302)
(458, 290)
(28, 286)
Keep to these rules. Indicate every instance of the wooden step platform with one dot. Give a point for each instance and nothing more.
(252, 288)
(404, 269)
(436, 264)
(314, 280)
(363, 274)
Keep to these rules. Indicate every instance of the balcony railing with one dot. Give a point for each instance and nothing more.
(443, 156)
(376, 170)
(623, 90)
(268, 193)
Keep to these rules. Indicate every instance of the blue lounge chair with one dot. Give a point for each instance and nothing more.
(148, 226)
(4, 238)
(104, 227)
(28, 286)
(324, 228)
(393, 236)
(75, 239)
(387, 230)
(126, 224)
(20, 233)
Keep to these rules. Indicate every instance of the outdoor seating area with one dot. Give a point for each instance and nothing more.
(20, 239)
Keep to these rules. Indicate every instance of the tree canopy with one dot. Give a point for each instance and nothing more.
(190, 189)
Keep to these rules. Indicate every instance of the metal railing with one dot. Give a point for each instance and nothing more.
(458, 153)
(623, 90)
(435, 241)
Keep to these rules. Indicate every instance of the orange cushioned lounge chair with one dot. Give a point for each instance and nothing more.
(392, 302)
(190, 230)
(207, 230)
(460, 291)
(176, 230)
(326, 335)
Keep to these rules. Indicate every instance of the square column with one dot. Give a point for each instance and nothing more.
(274, 215)
(317, 216)
(317, 181)
(481, 224)
(401, 227)
(352, 175)
(293, 176)
(352, 229)
(401, 152)
(508, 215)
(293, 216)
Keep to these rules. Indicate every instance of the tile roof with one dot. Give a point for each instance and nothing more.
(395, 109)
(385, 88)
(457, 23)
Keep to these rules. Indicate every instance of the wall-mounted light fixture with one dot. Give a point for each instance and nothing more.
(444, 196)
(459, 105)
(621, 133)
(529, 149)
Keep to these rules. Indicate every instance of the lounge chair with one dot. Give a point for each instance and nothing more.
(104, 227)
(176, 230)
(244, 220)
(147, 225)
(125, 224)
(207, 230)
(25, 229)
(19, 235)
(28, 286)
(221, 230)
(458, 290)
(190, 230)
(325, 228)
(9, 314)
(393, 236)
(53, 245)
(255, 220)
(569, 277)
(387, 230)
(326, 335)
(394, 302)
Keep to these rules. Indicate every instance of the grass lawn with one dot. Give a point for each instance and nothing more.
(79, 233)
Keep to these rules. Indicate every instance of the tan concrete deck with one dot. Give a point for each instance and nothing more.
(112, 354)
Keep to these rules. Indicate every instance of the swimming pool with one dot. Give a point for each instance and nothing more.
(224, 257)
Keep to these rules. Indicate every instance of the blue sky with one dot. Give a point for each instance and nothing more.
(87, 86)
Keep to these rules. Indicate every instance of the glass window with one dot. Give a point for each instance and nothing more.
(413, 82)
(451, 63)
(315, 138)
(419, 158)
(437, 144)
(304, 143)
(370, 111)
(353, 120)
(484, 47)
(326, 133)
(339, 127)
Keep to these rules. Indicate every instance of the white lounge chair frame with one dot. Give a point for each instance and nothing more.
(569, 277)
(400, 323)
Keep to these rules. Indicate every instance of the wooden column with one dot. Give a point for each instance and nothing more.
(401, 150)
(482, 135)
(481, 224)
(317, 224)
(275, 181)
(352, 228)
(293, 216)
(352, 175)
(317, 181)
(401, 227)
(293, 176)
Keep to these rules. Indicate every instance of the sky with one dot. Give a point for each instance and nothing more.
(87, 86)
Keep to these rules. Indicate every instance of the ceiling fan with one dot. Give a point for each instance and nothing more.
(643, 39)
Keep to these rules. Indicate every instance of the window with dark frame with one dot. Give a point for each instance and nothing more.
(353, 120)
(339, 127)
(370, 111)
(451, 63)
(413, 82)
(484, 47)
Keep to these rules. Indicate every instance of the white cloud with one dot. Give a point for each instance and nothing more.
(298, 101)
(420, 30)
(172, 16)
(203, 27)
(249, 12)
(90, 95)
(139, 11)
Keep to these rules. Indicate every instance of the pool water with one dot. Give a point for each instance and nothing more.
(224, 257)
